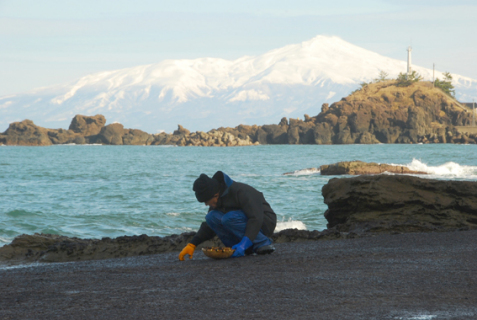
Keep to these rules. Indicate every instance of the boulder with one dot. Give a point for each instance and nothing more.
(399, 203)
(360, 167)
(181, 131)
(25, 133)
(87, 126)
(136, 137)
(111, 134)
(62, 136)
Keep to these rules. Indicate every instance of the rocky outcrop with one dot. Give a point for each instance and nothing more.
(213, 138)
(87, 126)
(55, 248)
(378, 113)
(111, 134)
(384, 113)
(25, 133)
(360, 167)
(392, 203)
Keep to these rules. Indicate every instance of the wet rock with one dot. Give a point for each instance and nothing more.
(55, 248)
(392, 203)
(360, 167)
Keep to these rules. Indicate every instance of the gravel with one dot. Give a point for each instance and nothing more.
(402, 276)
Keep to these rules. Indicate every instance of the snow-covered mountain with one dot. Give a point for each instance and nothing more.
(207, 93)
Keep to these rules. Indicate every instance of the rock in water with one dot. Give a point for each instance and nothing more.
(389, 203)
(87, 126)
(360, 167)
(25, 133)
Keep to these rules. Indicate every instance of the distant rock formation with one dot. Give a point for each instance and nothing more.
(384, 113)
(399, 203)
(87, 126)
(378, 113)
(92, 130)
(360, 167)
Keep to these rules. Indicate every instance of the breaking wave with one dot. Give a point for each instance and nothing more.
(290, 224)
(303, 172)
(446, 170)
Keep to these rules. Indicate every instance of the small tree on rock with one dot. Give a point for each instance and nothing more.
(405, 80)
(446, 84)
(383, 76)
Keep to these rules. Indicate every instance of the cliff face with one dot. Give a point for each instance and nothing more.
(378, 113)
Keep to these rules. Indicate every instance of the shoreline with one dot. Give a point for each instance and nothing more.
(402, 276)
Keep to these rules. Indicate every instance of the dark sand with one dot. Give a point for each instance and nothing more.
(406, 276)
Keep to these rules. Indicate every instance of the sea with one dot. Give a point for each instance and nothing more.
(95, 191)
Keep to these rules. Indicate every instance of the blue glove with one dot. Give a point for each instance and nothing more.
(241, 247)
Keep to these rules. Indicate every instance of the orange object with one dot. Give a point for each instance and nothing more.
(217, 252)
(188, 249)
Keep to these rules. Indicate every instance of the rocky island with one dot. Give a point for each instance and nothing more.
(381, 112)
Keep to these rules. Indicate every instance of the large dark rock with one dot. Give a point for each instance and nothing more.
(360, 167)
(392, 203)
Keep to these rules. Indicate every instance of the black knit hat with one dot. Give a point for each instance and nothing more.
(205, 188)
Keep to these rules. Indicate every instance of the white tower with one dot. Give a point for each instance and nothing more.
(409, 49)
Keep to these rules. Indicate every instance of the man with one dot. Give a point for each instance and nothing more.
(238, 214)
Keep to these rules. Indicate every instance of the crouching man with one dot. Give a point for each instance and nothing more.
(238, 214)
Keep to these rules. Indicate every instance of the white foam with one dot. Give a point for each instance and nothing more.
(422, 317)
(5, 240)
(448, 169)
(173, 214)
(303, 172)
(19, 266)
(290, 224)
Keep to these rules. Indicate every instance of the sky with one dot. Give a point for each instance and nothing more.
(50, 42)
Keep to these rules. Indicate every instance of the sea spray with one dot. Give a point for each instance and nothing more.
(290, 224)
(447, 170)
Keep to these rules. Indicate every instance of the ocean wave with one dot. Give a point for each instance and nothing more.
(4, 241)
(448, 169)
(290, 224)
(173, 214)
(303, 172)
